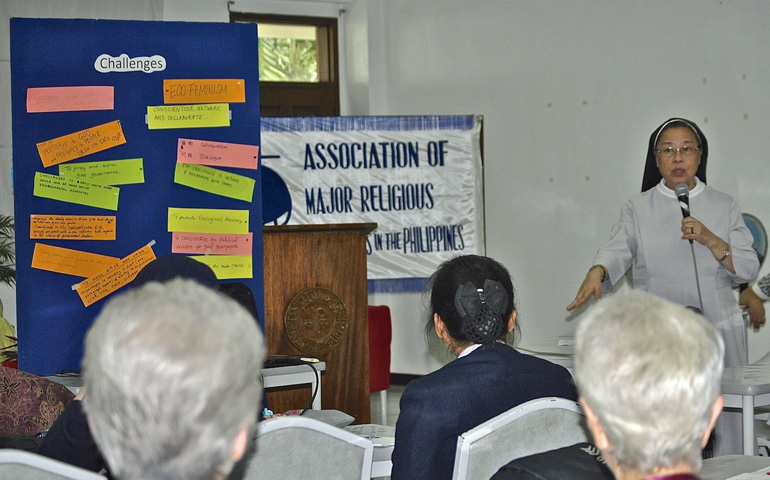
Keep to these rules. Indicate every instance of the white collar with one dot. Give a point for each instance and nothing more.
(468, 350)
(662, 188)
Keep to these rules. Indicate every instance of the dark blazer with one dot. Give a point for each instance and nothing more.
(438, 407)
(582, 461)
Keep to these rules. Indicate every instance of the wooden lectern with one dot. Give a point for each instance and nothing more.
(316, 305)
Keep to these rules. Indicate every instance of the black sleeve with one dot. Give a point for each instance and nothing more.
(69, 440)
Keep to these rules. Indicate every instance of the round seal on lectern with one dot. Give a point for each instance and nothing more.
(316, 320)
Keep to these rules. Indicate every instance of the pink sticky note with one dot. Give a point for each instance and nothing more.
(217, 154)
(212, 243)
(70, 99)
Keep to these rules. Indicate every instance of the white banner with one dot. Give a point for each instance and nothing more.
(419, 178)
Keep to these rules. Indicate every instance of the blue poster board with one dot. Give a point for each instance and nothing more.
(52, 319)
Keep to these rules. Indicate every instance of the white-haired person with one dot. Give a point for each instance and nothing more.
(648, 373)
(172, 372)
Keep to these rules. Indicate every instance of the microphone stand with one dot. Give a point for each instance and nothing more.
(683, 195)
(697, 278)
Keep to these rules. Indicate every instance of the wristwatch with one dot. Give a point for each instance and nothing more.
(725, 254)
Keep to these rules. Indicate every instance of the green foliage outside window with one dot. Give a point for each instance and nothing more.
(287, 60)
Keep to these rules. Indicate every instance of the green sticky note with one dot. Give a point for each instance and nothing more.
(111, 172)
(188, 116)
(207, 220)
(75, 191)
(214, 180)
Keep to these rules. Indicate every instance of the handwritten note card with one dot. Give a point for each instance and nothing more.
(204, 90)
(120, 273)
(208, 220)
(188, 116)
(113, 172)
(228, 266)
(211, 244)
(70, 99)
(217, 154)
(72, 227)
(82, 143)
(68, 261)
(214, 181)
(75, 191)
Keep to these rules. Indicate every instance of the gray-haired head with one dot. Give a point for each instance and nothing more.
(650, 371)
(172, 377)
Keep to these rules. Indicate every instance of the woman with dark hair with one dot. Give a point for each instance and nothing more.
(472, 310)
(690, 259)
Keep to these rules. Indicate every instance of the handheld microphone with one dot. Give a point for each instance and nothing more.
(683, 194)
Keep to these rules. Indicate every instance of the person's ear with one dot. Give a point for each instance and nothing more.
(592, 421)
(512, 321)
(441, 330)
(239, 445)
(716, 410)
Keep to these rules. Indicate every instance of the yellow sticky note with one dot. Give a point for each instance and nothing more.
(204, 90)
(72, 227)
(120, 273)
(207, 220)
(228, 266)
(68, 261)
(79, 144)
(188, 116)
(75, 191)
(214, 180)
(111, 172)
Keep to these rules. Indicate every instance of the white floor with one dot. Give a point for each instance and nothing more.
(393, 396)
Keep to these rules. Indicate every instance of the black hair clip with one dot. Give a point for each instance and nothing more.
(481, 310)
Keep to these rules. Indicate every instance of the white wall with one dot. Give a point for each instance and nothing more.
(570, 92)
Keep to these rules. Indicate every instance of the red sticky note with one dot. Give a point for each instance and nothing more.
(70, 99)
(217, 154)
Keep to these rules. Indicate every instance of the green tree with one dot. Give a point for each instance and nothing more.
(287, 60)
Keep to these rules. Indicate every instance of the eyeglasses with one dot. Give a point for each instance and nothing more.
(670, 152)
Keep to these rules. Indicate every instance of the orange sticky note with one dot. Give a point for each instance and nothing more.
(79, 144)
(120, 273)
(68, 261)
(72, 227)
(70, 99)
(217, 154)
(212, 243)
(204, 90)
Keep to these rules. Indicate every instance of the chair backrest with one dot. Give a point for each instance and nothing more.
(295, 447)
(536, 426)
(18, 464)
(380, 336)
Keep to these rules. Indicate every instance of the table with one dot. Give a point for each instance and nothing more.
(383, 438)
(271, 377)
(558, 350)
(745, 388)
(295, 375)
(728, 466)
